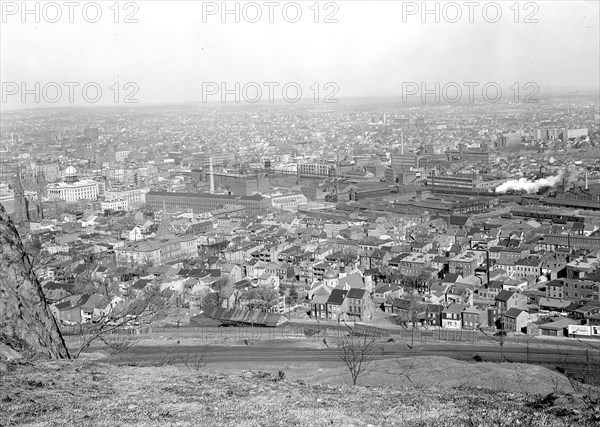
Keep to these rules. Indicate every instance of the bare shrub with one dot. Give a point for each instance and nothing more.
(357, 354)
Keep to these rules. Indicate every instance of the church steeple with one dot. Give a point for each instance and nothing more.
(20, 215)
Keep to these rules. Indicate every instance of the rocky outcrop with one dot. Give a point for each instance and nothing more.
(23, 309)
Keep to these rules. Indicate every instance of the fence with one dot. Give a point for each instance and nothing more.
(289, 332)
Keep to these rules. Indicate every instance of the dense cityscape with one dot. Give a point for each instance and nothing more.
(452, 216)
(324, 213)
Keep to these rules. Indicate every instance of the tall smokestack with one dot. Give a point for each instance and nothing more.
(586, 179)
(212, 178)
(402, 140)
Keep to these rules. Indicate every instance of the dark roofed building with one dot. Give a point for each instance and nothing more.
(336, 306)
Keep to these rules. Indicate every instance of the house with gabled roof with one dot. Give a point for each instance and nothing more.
(359, 304)
(452, 316)
(506, 300)
(399, 306)
(318, 306)
(337, 305)
(387, 289)
(588, 309)
(515, 320)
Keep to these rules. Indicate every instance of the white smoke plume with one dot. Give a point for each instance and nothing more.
(523, 184)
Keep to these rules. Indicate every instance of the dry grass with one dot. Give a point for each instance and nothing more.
(89, 393)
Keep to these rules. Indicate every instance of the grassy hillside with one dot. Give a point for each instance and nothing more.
(68, 393)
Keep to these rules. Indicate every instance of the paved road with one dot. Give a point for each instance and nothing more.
(282, 352)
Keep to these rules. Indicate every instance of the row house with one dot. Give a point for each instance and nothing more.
(376, 258)
(282, 270)
(523, 267)
(414, 264)
(291, 255)
(243, 252)
(573, 289)
(270, 252)
(501, 252)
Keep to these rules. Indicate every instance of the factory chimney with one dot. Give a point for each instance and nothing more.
(212, 178)
(402, 140)
(586, 180)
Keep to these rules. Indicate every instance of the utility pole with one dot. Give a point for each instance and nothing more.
(501, 336)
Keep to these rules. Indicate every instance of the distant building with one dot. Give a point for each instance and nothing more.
(289, 201)
(242, 185)
(135, 196)
(511, 139)
(465, 182)
(72, 192)
(114, 205)
(316, 169)
(574, 133)
(157, 251)
(405, 162)
(204, 202)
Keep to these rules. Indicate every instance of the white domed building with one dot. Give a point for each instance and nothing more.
(330, 278)
(70, 174)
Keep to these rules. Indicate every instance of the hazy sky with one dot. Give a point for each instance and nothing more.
(170, 52)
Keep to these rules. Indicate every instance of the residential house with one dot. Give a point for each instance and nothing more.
(591, 308)
(384, 290)
(359, 304)
(318, 306)
(515, 320)
(399, 306)
(473, 318)
(452, 316)
(337, 305)
(506, 300)
(232, 271)
(433, 314)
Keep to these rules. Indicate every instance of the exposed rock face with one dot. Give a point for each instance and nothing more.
(23, 309)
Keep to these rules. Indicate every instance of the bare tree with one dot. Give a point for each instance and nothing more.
(125, 317)
(196, 359)
(357, 354)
